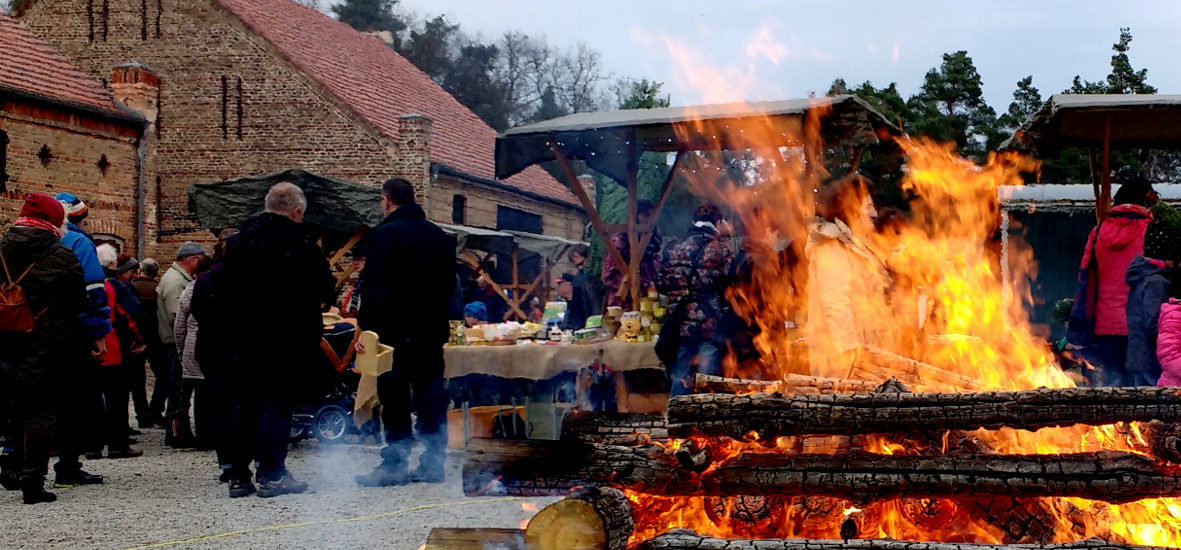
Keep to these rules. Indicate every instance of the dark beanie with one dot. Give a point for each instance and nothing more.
(43, 207)
(1133, 191)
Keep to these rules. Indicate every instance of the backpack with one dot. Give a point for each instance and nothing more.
(15, 314)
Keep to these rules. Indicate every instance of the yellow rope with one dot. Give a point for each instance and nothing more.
(321, 522)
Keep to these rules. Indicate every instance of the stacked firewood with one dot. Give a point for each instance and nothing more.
(753, 457)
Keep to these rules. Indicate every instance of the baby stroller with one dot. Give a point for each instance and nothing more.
(327, 412)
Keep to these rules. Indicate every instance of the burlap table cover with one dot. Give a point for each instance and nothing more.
(541, 362)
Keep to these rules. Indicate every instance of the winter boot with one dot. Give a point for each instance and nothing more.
(180, 435)
(10, 477)
(33, 488)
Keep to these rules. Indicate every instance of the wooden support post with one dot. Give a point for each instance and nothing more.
(632, 281)
(587, 204)
(356, 237)
(500, 291)
(1104, 205)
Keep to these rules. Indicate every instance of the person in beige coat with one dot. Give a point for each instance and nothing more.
(846, 282)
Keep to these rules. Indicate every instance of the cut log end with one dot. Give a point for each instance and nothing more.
(591, 519)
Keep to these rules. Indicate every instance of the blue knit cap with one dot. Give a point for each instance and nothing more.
(476, 310)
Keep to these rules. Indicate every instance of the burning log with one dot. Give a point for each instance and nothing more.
(590, 519)
(851, 414)
(682, 539)
(1164, 438)
(879, 365)
(535, 468)
(613, 428)
(792, 384)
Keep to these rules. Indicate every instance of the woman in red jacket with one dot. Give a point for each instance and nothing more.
(1113, 244)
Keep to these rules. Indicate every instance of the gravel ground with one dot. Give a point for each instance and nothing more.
(171, 499)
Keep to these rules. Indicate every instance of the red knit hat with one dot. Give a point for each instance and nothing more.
(43, 207)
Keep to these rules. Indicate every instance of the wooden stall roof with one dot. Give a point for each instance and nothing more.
(1076, 120)
(602, 139)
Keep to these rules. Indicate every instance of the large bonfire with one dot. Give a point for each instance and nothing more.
(958, 301)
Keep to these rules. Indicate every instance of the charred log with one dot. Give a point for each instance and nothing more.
(614, 428)
(1164, 438)
(536, 468)
(681, 539)
(889, 412)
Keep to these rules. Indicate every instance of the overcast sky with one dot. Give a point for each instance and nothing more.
(707, 51)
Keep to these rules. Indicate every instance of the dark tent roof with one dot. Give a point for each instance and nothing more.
(602, 139)
(503, 242)
(1076, 120)
(333, 204)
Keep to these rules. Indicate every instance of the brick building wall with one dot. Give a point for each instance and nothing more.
(88, 156)
(229, 105)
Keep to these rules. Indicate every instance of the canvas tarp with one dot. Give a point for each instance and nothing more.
(603, 139)
(1076, 120)
(332, 204)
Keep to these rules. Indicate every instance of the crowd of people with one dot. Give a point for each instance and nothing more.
(80, 323)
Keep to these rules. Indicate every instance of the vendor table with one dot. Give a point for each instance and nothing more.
(544, 361)
(540, 362)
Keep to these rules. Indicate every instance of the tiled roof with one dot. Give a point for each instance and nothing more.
(30, 65)
(379, 86)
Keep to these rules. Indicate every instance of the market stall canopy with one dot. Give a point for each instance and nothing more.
(333, 204)
(1056, 197)
(478, 238)
(551, 248)
(603, 139)
(503, 242)
(1077, 120)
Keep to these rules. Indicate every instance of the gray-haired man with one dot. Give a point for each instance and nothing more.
(276, 280)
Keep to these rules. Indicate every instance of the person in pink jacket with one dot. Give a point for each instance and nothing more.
(1113, 244)
(1168, 343)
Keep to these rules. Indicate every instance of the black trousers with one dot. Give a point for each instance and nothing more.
(260, 428)
(137, 378)
(414, 384)
(30, 423)
(79, 407)
(215, 411)
(112, 429)
(161, 372)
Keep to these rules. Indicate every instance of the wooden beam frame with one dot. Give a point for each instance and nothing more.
(1104, 204)
(587, 204)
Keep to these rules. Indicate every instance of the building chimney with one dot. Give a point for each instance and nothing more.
(413, 152)
(587, 182)
(386, 37)
(137, 87)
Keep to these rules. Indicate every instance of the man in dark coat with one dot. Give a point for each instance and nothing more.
(408, 280)
(277, 279)
(32, 364)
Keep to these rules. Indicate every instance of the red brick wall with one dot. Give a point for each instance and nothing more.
(76, 143)
(287, 121)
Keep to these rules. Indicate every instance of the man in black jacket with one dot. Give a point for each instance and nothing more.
(276, 278)
(33, 364)
(408, 280)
